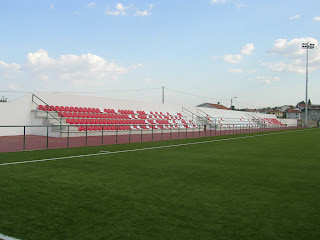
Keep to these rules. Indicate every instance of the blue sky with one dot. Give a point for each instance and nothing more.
(217, 49)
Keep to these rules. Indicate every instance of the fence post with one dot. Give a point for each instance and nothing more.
(68, 137)
(162, 133)
(199, 130)
(24, 137)
(152, 132)
(141, 134)
(129, 134)
(47, 136)
(215, 127)
(170, 133)
(179, 132)
(117, 134)
(193, 132)
(102, 135)
(220, 129)
(86, 135)
(186, 132)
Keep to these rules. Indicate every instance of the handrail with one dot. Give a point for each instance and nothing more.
(255, 116)
(188, 113)
(206, 114)
(48, 106)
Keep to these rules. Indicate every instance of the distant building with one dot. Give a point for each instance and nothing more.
(251, 110)
(263, 110)
(213, 105)
(294, 114)
(278, 113)
(313, 114)
(284, 108)
(315, 106)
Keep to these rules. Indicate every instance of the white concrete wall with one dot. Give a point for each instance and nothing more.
(216, 113)
(16, 113)
(289, 122)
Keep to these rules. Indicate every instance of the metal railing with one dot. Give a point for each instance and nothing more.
(189, 113)
(48, 106)
(72, 137)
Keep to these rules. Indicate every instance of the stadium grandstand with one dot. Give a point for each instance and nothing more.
(60, 116)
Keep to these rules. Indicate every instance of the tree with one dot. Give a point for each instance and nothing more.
(3, 99)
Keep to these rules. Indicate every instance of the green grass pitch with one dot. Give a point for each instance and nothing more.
(265, 187)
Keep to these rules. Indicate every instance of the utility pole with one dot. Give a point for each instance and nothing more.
(231, 102)
(162, 94)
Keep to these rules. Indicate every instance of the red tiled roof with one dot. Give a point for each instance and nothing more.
(294, 111)
(217, 106)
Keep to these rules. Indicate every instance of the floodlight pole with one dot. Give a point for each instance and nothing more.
(307, 46)
(231, 102)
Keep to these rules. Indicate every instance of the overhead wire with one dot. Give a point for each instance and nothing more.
(196, 95)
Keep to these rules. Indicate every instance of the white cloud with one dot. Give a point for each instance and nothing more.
(295, 17)
(247, 49)
(294, 55)
(76, 12)
(316, 19)
(218, 1)
(268, 80)
(120, 9)
(86, 69)
(52, 6)
(235, 70)
(13, 87)
(237, 58)
(146, 12)
(9, 70)
(91, 5)
(232, 58)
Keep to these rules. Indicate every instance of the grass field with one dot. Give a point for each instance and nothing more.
(263, 187)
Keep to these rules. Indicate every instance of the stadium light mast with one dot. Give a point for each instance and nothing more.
(307, 46)
(231, 102)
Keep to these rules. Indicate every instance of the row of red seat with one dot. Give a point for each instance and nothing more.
(102, 121)
(112, 116)
(96, 110)
(67, 109)
(100, 128)
(273, 121)
(94, 115)
(127, 127)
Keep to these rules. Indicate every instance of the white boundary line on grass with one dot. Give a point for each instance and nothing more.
(149, 148)
(5, 237)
